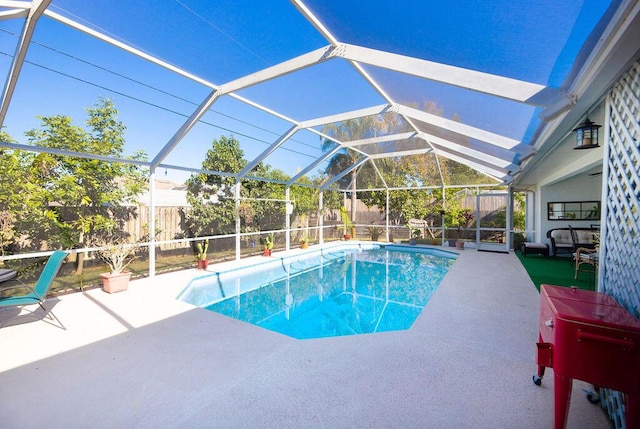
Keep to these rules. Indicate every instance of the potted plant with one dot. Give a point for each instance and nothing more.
(117, 254)
(348, 225)
(304, 242)
(415, 234)
(518, 239)
(374, 233)
(201, 254)
(267, 242)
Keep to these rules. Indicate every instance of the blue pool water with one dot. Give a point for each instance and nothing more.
(327, 293)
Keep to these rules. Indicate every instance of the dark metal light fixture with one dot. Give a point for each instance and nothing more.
(586, 135)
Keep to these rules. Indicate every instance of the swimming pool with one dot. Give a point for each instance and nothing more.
(340, 290)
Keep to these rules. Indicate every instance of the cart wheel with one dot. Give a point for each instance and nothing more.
(537, 380)
(593, 397)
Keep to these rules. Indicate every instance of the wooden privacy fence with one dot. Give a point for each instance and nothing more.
(170, 225)
(170, 221)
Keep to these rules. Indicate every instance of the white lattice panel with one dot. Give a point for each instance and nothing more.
(620, 266)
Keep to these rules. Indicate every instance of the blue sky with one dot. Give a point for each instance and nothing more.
(223, 40)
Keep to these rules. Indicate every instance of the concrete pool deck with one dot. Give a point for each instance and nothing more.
(142, 359)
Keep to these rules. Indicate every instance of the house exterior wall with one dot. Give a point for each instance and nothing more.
(582, 187)
(564, 174)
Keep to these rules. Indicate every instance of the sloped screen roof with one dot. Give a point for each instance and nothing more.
(461, 80)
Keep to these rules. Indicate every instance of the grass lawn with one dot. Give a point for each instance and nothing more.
(555, 271)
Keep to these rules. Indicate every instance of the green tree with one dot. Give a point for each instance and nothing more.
(306, 204)
(306, 198)
(460, 174)
(519, 208)
(22, 209)
(266, 198)
(84, 198)
(12, 195)
(211, 196)
(394, 176)
(425, 205)
(349, 130)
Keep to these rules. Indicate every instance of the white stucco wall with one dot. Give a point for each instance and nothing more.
(582, 187)
(567, 175)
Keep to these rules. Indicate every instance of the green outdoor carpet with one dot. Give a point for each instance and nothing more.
(555, 271)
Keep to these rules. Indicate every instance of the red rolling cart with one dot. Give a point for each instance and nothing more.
(588, 336)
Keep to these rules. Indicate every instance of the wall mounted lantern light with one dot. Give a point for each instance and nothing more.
(586, 135)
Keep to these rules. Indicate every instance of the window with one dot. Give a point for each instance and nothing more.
(574, 210)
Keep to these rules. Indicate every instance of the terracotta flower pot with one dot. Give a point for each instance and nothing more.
(459, 244)
(113, 283)
(304, 245)
(203, 264)
(267, 252)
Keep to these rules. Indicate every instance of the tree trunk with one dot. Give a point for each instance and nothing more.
(79, 263)
(80, 257)
(354, 199)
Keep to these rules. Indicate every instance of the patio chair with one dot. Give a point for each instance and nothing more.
(38, 293)
(586, 256)
(560, 241)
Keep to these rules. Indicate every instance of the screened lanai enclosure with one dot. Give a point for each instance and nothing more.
(182, 122)
(195, 129)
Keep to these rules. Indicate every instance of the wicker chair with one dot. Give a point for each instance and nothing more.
(584, 256)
